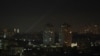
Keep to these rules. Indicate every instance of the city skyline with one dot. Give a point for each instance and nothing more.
(33, 15)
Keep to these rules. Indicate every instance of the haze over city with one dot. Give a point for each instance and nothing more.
(31, 16)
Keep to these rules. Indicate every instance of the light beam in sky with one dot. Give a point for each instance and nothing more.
(41, 18)
(38, 21)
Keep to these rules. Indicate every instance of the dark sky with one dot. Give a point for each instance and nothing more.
(31, 16)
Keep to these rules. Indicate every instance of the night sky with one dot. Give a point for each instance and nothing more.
(31, 16)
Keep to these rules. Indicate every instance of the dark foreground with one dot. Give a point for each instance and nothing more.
(51, 51)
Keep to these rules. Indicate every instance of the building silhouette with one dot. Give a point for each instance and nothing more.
(49, 35)
(65, 35)
(94, 29)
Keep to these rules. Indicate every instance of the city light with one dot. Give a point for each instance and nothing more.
(50, 41)
(74, 45)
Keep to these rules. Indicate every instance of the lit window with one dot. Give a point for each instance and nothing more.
(4, 36)
(24, 39)
(70, 32)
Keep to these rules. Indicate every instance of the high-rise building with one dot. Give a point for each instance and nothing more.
(49, 35)
(6, 32)
(65, 35)
(94, 29)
